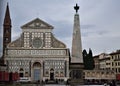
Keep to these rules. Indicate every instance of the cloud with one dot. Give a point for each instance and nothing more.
(88, 26)
(99, 20)
(105, 44)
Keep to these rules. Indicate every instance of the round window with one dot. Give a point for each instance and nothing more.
(37, 42)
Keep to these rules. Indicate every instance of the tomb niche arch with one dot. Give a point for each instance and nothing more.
(21, 72)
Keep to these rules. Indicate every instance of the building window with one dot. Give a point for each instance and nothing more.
(113, 69)
(37, 42)
(112, 64)
(119, 70)
(6, 39)
(116, 70)
(112, 57)
(118, 63)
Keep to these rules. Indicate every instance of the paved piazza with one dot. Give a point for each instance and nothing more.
(45, 85)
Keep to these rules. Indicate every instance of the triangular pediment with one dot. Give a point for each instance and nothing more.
(37, 23)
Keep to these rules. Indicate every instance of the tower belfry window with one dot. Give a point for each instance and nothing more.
(6, 39)
(7, 31)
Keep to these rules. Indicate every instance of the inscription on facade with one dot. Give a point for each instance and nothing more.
(36, 52)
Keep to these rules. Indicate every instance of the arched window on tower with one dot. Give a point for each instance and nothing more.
(6, 39)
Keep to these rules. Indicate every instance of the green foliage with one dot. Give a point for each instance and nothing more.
(88, 60)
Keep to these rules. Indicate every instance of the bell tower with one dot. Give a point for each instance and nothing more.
(6, 30)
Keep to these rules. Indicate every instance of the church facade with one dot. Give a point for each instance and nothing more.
(38, 55)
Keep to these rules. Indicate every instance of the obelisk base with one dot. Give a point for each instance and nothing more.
(76, 74)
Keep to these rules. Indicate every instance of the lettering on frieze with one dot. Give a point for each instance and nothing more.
(36, 52)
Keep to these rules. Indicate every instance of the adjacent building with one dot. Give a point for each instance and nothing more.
(96, 62)
(104, 61)
(99, 76)
(109, 62)
(115, 61)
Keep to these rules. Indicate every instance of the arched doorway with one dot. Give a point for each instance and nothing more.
(36, 71)
(51, 74)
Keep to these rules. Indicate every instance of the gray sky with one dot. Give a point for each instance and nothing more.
(99, 19)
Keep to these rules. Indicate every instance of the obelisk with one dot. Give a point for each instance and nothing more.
(76, 64)
(76, 41)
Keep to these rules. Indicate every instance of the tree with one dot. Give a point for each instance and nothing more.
(91, 60)
(88, 60)
(85, 56)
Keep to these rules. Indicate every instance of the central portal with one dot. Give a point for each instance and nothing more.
(51, 74)
(36, 74)
(36, 71)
